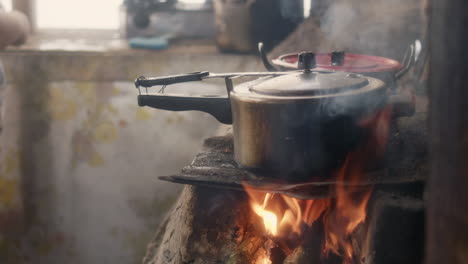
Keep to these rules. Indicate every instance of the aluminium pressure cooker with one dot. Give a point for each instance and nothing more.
(295, 124)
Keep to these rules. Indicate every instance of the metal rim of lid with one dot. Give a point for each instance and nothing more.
(309, 84)
(359, 63)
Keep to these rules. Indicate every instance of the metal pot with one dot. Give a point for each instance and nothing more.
(382, 68)
(293, 124)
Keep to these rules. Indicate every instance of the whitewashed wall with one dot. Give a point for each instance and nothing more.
(84, 158)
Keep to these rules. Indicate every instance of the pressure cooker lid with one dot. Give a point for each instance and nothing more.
(309, 84)
(349, 62)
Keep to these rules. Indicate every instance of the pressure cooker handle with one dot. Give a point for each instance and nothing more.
(143, 81)
(218, 106)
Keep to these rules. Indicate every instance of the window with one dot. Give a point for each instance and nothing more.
(86, 14)
(83, 14)
(6, 4)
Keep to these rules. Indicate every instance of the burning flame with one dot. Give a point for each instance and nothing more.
(270, 221)
(340, 215)
(264, 260)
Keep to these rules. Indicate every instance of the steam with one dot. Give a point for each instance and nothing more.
(377, 27)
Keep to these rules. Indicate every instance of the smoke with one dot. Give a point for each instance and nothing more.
(374, 27)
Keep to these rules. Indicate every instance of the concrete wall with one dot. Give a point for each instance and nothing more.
(80, 159)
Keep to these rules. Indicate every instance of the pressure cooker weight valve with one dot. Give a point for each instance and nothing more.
(337, 58)
(306, 61)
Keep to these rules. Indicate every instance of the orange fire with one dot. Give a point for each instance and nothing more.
(270, 220)
(341, 214)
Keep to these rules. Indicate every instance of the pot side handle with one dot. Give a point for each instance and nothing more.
(217, 106)
(411, 57)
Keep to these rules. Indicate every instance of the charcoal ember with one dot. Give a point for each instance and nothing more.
(277, 255)
(310, 250)
(302, 255)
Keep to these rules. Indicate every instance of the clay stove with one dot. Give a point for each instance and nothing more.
(227, 214)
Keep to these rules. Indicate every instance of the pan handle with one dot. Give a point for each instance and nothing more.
(143, 81)
(218, 106)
